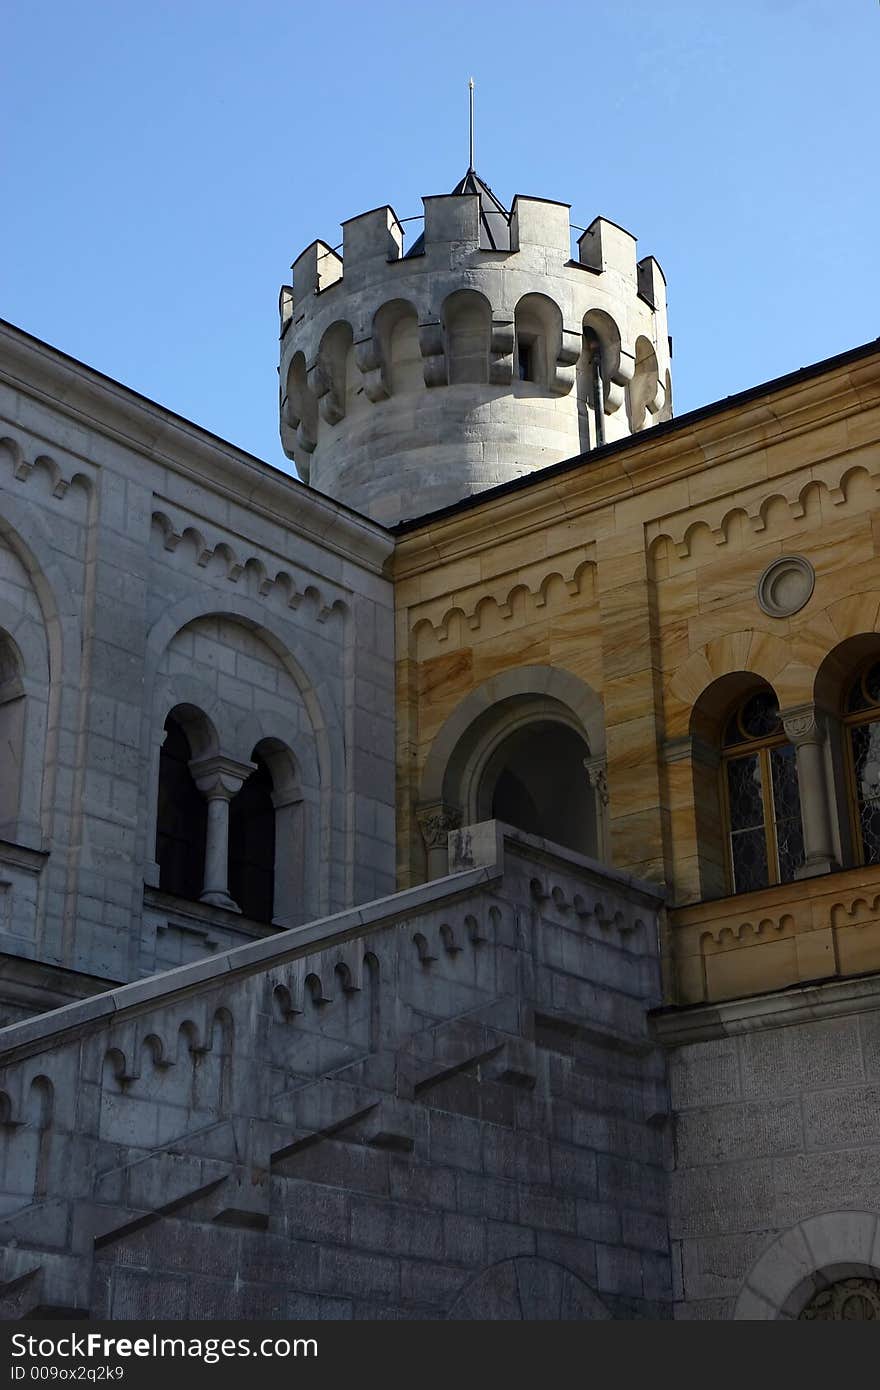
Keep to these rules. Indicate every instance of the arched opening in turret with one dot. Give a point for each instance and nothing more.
(299, 408)
(666, 412)
(467, 319)
(646, 390)
(337, 378)
(591, 393)
(396, 327)
(598, 367)
(538, 331)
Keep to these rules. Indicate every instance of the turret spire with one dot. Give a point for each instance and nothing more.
(471, 92)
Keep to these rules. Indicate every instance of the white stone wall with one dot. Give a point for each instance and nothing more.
(143, 564)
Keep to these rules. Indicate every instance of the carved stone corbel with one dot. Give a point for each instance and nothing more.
(372, 368)
(433, 350)
(618, 378)
(502, 344)
(321, 385)
(568, 353)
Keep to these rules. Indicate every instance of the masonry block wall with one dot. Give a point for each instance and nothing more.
(446, 1104)
(148, 566)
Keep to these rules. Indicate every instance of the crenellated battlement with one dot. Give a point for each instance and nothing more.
(414, 375)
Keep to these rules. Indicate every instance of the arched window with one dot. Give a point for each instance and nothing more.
(862, 718)
(764, 832)
(11, 734)
(593, 391)
(468, 320)
(538, 326)
(535, 779)
(252, 845)
(182, 818)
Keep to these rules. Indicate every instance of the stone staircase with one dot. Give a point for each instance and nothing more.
(188, 1096)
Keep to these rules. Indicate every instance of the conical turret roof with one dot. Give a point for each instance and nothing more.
(494, 217)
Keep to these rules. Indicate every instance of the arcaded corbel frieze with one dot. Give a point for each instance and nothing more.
(433, 349)
(372, 368)
(112, 410)
(60, 480)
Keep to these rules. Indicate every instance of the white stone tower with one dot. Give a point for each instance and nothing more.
(411, 379)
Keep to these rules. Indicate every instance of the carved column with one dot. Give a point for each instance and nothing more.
(597, 776)
(218, 779)
(435, 823)
(804, 727)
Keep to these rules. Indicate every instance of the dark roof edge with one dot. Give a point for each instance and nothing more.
(661, 431)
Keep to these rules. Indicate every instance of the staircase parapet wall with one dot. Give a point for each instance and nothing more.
(192, 1087)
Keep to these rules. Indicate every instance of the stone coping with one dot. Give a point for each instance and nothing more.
(695, 1023)
(45, 1029)
(485, 842)
(177, 910)
(778, 897)
(490, 840)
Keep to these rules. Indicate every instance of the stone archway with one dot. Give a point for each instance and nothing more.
(825, 1267)
(528, 1289)
(502, 749)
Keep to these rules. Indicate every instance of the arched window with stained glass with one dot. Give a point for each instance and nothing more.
(760, 796)
(862, 719)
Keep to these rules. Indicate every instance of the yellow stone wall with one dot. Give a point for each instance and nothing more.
(636, 572)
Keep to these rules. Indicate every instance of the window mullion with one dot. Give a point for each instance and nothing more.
(769, 815)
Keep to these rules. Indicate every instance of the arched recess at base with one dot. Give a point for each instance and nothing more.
(527, 746)
(528, 1289)
(815, 1257)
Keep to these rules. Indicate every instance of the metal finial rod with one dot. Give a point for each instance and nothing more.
(471, 89)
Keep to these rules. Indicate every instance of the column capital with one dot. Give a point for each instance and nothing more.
(218, 777)
(803, 724)
(436, 821)
(597, 776)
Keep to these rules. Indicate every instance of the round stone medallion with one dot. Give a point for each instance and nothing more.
(785, 586)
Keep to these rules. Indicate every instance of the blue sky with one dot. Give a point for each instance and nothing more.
(163, 164)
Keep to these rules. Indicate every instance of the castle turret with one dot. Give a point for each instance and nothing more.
(410, 379)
